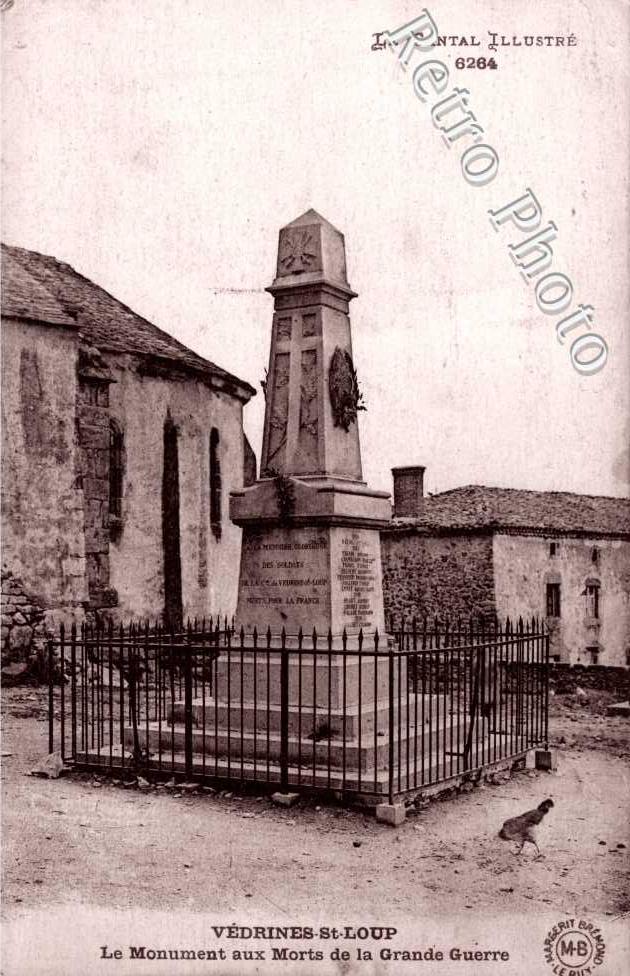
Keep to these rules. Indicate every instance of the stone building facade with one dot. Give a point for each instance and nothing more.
(119, 449)
(494, 551)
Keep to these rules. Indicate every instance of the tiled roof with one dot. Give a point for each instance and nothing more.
(23, 297)
(477, 507)
(28, 277)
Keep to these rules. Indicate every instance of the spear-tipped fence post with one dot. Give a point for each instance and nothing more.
(62, 706)
(188, 711)
(51, 697)
(284, 710)
(390, 695)
(133, 691)
(73, 686)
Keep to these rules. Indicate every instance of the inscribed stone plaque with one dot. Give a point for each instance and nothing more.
(285, 579)
(356, 582)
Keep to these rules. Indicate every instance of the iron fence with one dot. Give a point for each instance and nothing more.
(367, 714)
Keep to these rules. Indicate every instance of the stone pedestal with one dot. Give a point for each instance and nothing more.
(319, 569)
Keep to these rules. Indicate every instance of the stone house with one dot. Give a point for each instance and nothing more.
(120, 447)
(497, 551)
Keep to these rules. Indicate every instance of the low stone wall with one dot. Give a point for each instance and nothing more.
(23, 625)
(565, 678)
(445, 576)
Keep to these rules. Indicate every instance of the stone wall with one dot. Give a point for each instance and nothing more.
(23, 621)
(446, 576)
(140, 399)
(42, 501)
(566, 678)
(60, 541)
(525, 564)
(93, 464)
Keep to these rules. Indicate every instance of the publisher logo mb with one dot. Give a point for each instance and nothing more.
(574, 948)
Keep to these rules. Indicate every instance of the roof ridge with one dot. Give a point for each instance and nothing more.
(29, 261)
(94, 284)
(529, 491)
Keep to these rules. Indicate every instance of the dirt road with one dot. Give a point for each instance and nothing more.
(79, 841)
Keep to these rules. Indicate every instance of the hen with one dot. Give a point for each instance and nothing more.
(521, 829)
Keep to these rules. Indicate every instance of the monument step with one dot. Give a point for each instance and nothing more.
(336, 752)
(368, 782)
(311, 678)
(208, 714)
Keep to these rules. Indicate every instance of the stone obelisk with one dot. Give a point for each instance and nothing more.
(310, 559)
(311, 547)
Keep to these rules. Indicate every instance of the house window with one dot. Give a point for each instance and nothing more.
(553, 599)
(592, 600)
(215, 484)
(593, 652)
(595, 556)
(553, 548)
(116, 449)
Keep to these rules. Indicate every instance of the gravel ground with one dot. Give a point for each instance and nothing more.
(92, 870)
(84, 842)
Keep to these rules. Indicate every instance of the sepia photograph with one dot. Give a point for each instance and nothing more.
(315, 524)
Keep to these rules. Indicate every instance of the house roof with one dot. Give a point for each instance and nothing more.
(36, 287)
(23, 297)
(479, 508)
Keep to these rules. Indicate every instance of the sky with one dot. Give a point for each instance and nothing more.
(159, 145)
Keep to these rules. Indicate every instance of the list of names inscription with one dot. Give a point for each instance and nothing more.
(357, 577)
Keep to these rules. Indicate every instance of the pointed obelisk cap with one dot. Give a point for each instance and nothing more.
(311, 251)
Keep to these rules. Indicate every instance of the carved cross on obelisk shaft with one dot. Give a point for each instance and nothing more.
(293, 406)
(302, 434)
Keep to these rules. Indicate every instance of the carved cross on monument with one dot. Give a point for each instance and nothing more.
(292, 436)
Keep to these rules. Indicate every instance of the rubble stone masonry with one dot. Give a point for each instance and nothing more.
(23, 621)
(440, 575)
(93, 425)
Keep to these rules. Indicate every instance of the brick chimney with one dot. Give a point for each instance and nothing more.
(408, 490)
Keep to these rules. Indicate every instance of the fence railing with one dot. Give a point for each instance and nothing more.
(369, 714)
